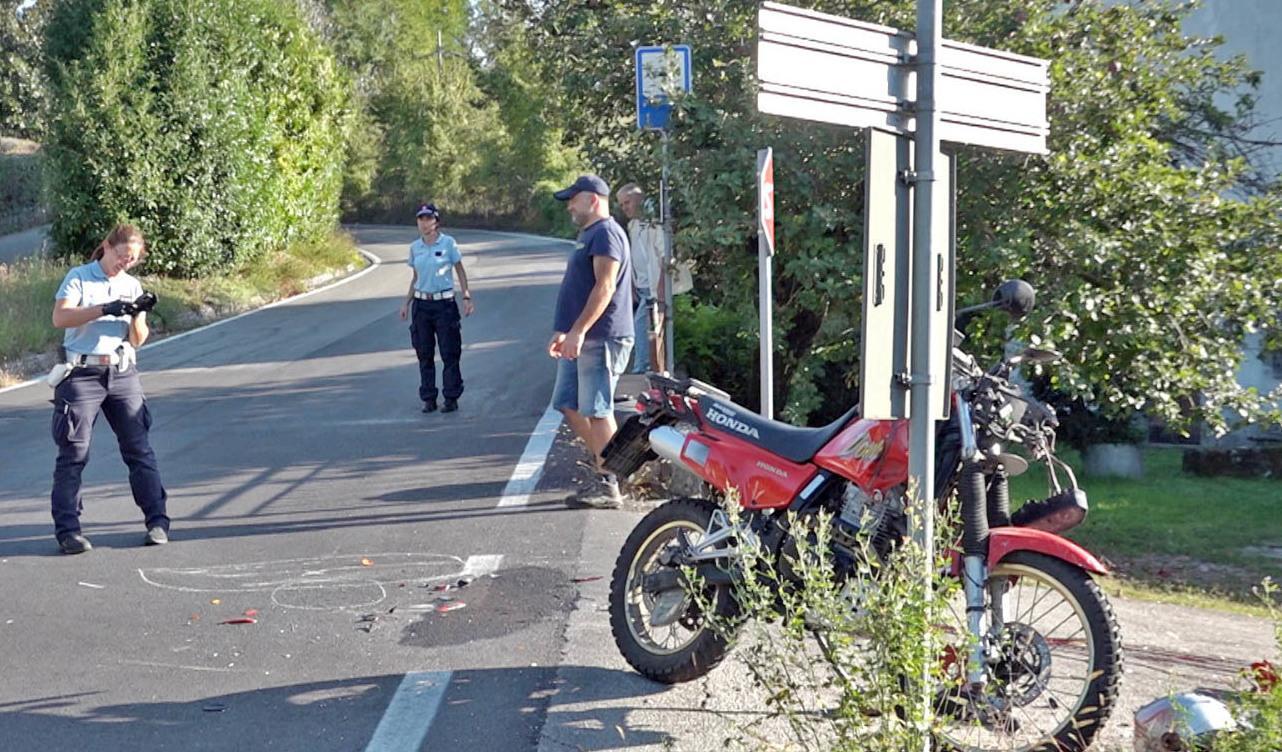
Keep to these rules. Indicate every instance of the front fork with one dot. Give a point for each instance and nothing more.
(983, 502)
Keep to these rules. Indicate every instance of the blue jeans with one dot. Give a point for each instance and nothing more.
(586, 384)
(641, 321)
(77, 401)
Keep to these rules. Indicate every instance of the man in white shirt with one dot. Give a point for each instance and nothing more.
(646, 239)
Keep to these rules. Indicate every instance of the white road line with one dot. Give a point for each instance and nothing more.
(375, 262)
(410, 713)
(528, 471)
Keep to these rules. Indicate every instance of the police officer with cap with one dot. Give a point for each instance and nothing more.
(432, 299)
(104, 312)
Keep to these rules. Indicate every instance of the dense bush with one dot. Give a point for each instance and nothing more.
(216, 125)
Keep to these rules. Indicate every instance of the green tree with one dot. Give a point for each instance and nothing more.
(1153, 242)
(22, 91)
(426, 131)
(214, 124)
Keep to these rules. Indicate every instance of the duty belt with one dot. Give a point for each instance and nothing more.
(109, 359)
(447, 295)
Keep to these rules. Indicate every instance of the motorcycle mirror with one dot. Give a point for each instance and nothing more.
(1016, 297)
(1035, 355)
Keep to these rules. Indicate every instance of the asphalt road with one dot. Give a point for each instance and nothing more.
(305, 485)
(20, 245)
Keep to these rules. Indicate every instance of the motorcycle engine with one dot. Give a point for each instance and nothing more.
(867, 521)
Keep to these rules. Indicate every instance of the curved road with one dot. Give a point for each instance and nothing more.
(305, 485)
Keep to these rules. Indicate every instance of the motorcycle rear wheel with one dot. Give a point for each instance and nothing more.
(1059, 661)
(687, 648)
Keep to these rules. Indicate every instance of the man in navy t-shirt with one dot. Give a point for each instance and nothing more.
(593, 328)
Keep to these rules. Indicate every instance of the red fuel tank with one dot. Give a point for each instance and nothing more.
(872, 453)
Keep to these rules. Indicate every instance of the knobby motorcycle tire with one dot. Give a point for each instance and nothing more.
(709, 647)
(1100, 697)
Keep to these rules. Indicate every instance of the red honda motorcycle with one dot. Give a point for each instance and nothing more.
(1042, 657)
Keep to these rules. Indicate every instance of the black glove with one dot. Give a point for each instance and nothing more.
(145, 302)
(118, 308)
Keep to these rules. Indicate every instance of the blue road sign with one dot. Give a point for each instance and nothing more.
(661, 73)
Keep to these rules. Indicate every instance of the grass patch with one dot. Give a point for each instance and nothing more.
(1177, 536)
(27, 289)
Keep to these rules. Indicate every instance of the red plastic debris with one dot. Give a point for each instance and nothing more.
(251, 612)
(240, 620)
(447, 607)
(1265, 675)
(588, 579)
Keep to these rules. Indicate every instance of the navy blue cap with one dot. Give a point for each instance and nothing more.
(428, 210)
(590, 183)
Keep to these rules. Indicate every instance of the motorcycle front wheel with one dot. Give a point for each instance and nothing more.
(664, 635)
(1052, 663)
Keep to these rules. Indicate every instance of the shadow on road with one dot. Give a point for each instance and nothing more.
(489, 710)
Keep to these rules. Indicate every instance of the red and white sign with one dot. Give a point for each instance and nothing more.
(766, 197)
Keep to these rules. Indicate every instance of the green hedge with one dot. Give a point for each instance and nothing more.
(216, 125)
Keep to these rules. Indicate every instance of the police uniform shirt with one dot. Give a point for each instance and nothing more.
(89, 285)
(434, 263)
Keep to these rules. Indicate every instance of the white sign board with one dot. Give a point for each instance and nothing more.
(888, 219)
(825, 68)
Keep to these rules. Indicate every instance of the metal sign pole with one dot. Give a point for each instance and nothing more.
(765, 272)
(921, 429)
(665, 212)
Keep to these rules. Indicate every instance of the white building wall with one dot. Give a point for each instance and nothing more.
(1252, 28)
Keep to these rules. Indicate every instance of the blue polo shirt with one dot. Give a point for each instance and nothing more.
(603, 238)
(434, 263)
(89, 285)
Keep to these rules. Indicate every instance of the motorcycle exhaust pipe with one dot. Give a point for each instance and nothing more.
(667, 442)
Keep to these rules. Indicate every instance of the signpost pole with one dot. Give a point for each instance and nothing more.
(765, 272)
(927, 159)
(665, 212)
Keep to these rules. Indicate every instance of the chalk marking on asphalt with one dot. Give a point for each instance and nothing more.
(410, 713)
(530, 467)
(362, 585)
(375, 262)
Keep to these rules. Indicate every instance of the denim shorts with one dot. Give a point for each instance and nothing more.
(587, 383)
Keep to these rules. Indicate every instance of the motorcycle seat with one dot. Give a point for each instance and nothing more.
(792, 443)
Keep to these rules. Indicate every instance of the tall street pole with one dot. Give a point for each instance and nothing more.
(930, 20)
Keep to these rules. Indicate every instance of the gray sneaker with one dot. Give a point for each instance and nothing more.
(603, 494)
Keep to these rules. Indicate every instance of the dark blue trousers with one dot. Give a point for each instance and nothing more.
(436, 323)
(76, 404)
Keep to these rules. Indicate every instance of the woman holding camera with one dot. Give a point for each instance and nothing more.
(104, 312)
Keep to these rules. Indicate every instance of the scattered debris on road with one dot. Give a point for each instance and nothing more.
(240, 620)
(449, 606)
(91, 585)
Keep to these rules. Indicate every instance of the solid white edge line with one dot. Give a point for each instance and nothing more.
(525, 477)
(374, 263)
(410, 713)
